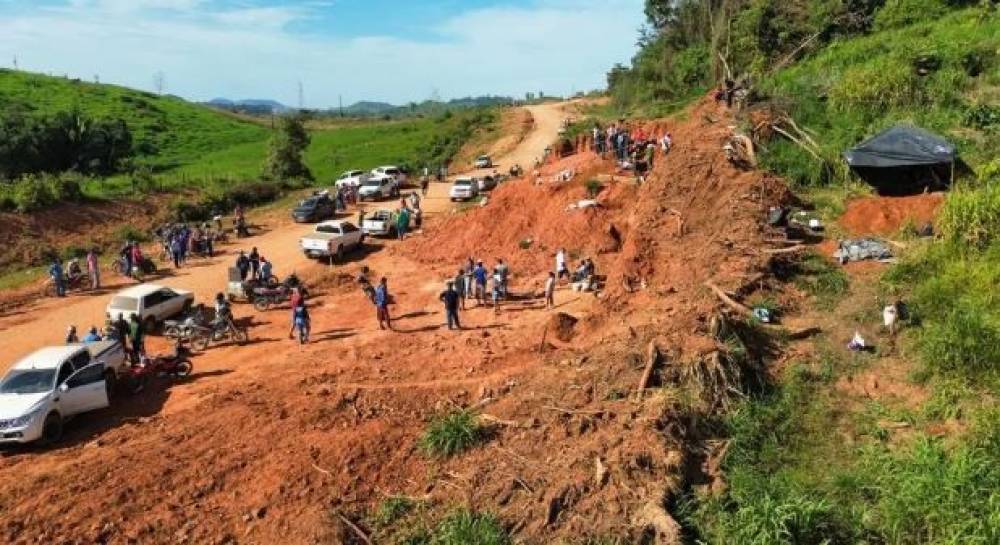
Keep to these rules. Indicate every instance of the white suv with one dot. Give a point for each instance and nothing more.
(353, 178)
(464, 188)
(389, 170)
(378, 187)
(150, 302)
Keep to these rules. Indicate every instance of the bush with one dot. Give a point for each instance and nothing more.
(593, 188)
(466, 527)
(972, 215)
(130, 232)
(452, 433)
(899, 13)
(31, 193)
(392, 509)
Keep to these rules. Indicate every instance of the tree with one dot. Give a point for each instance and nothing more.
(284, 158)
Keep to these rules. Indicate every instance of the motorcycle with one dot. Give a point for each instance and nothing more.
(183, 330)
(242, 228)
(70, 283)
(147, 267)
(177, 365)
(274, 294)
(219, 330)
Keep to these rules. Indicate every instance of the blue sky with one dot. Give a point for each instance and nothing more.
(387, 50)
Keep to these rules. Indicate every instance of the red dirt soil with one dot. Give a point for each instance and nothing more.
(887, 215)
(272, 442)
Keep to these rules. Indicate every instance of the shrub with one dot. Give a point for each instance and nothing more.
(593, 187)
(31, 193)
(899, 13)
(972, 215)
(466, 527)
(452, 433)
(392, 509)
(130, 232)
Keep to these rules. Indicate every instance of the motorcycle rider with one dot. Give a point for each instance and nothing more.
(73, 271)
(223, 311)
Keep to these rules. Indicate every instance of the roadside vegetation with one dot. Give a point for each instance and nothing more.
(808, 461)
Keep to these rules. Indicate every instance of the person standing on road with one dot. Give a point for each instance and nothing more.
(450, 298)
(461, 287)
(71, 337)
(56, 272)
(300, 322)
(425, 184)
(177, 249)
(94, 270)
(504, 271)
(479, 275)
(137, 336)
(243, 264)
(561, 269)
(122, 329)
(137, 261)
(254, 263)
(266, 270)
(497, 290)
(402, 222)
(550, 291)
(382, 305)
(126, 257)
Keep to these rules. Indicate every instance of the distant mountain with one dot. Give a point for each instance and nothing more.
(250, 105)
(427, 107)
(367, 107)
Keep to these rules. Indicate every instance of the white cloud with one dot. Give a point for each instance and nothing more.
(555, 46)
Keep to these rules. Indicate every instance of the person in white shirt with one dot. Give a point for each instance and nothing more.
(561, 264)
(666, 142)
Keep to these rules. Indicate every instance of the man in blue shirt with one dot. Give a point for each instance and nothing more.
(56, 272)
(92, 336)
(479, 274)
(382, 305)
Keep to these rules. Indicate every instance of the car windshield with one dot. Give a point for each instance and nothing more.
(328, 229)
(392, 171)
(119, 302)
(28, 381)
(371, 183)
(308, 203)
(463, 182)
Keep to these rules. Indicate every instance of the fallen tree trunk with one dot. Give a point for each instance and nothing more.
(652, 357)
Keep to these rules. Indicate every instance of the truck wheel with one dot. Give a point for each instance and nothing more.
(261, 304)
(110, 384)
(149, 325)
(340, 253)
(52, 430)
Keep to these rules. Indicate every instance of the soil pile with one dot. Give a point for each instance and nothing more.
(887, 215)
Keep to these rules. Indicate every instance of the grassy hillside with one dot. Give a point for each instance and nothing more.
(189, 145)
(897, 445)
(169, 132)
(854, 88)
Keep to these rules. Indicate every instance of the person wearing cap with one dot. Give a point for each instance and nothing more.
(71, 337)
(92, 336)
(450, 299)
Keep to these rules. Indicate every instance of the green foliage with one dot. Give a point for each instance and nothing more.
(971, 215)
(465, 527)
(35, 192)
(392, 509)
(284, 158)
(452, 433)
(900, 13)
(822, 279)
(128, 232)
(593, 187)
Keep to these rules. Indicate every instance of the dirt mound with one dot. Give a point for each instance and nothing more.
(887, 215)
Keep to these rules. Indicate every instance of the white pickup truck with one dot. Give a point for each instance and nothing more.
(379, 186)
(381, 224)
(332, 239)
(43, 390)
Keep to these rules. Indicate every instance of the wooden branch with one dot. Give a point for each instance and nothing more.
(729, 73)
(354, 527)
(321, 470)
(652, 357)
(792, 250)
(500, 422)
(729, 301)
(571, 411)
(781, 64)
(797, 142)
(541, 345)
(798, 334)
(804, 134)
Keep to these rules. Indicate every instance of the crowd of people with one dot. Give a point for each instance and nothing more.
(181, 240)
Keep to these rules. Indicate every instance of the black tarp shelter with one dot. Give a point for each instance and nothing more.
(903, 161)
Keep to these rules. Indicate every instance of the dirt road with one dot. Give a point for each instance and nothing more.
(548, 118)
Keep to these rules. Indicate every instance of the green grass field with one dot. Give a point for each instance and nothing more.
(168, 132)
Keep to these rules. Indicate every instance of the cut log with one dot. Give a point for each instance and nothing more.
(729, 301)
(652, 358)
(792, 250)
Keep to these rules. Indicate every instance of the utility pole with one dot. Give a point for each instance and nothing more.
(340, 101)
(15, 62)
(302, 97)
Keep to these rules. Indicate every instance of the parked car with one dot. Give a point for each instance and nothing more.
(332, 239)
(464, 188)
(483, 161)
(380, 224)
(43, 390)
(382, 186)
(316, 208)
(151, 303)
(396, 172)
(352, 178)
